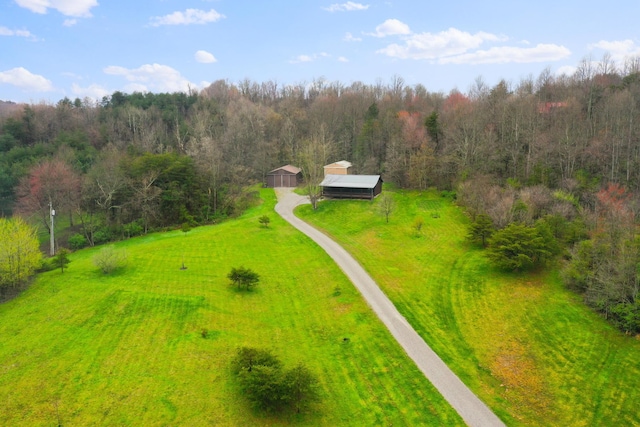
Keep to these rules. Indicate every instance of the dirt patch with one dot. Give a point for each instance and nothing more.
(524, 384)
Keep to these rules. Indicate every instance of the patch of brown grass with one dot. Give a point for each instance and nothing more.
(523, 384)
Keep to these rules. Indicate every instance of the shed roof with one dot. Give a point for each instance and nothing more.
(350, 181)
(288, 168)
(341, 164)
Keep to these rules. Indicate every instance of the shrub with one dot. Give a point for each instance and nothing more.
(268, 386)
(102, 235)
(109, 259)
(517, 247)
(243, 277)
(264, 221)
(77, 241)
(133, 229)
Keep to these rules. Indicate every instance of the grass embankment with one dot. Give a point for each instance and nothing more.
(85, 349)
(529, 348)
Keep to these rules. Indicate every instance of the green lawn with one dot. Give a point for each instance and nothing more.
(524, 344)
(127, 349)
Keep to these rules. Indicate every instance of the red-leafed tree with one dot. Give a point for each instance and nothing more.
(615, 213)
(50, 182)
(456, 101)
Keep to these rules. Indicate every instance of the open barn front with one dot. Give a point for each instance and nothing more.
(351, 186)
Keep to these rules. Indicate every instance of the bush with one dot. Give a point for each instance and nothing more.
(268, 386)
(109, 259)
(264, 221)
(626, 317)
(517, 247)
(46, 265)
(133, 229)
(102, 235)
(77, 241)
(243, 277)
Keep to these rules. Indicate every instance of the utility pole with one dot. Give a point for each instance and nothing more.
(52, 248)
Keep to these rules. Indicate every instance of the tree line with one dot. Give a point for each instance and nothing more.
(540, 149)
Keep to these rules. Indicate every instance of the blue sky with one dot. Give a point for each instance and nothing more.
(50, 49)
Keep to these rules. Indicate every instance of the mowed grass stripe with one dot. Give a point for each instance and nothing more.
(127, 349)
(529, 348)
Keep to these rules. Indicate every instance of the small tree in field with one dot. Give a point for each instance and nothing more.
(386, 206)
(264, 221)
(186, 227)
(301, 386)
(61, 259)
(243, 277)
(481, 229)
(417, 226)
(109, 260)
(271, 388)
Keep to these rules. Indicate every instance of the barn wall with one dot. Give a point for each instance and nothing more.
(337, 171)
(280, 179)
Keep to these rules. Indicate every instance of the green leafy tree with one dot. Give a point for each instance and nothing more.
(20, 255)
(302, 386)
(248, 357)
(186, 227)
(433, 127)
(271, 388)
(264, 221)
(243, 277)
(517, 247)
(481, 229)
(264, 386)
(61, 259)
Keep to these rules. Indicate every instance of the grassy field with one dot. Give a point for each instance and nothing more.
(82, 348)
(525, 345)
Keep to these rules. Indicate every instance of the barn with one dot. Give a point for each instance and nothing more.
(284, 176)
(351, 186)
(338, 168)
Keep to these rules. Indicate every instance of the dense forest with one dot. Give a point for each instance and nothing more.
(560, 153)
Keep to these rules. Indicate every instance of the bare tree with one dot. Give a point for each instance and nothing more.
(313, 156)
(386, 205)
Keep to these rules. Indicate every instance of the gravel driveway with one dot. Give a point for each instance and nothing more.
(470, 408)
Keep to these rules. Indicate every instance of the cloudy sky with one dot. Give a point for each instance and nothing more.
(50, 49)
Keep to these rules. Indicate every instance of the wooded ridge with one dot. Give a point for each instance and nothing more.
(563, 149)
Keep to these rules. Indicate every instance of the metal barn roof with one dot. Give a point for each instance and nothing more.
(350, 181)
(341, 164)
(288, 168)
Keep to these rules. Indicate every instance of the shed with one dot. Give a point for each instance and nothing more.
(338, 168)
(351, 186)
(284, 176)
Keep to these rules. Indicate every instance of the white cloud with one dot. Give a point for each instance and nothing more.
(24, 79)
(301, 58)
(93, 91)
(4, 31)
(568, 70)
(342, 59)
(348, 37)
(391, 27)
(188, 17)
(70, 22)
(506, 54)
(204, 57)
(619, 49)
(346, 7)
(78, 8)
(309, 58)
(432, 46)
(152, 77)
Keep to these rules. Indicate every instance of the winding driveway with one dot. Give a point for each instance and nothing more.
(470, 408)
